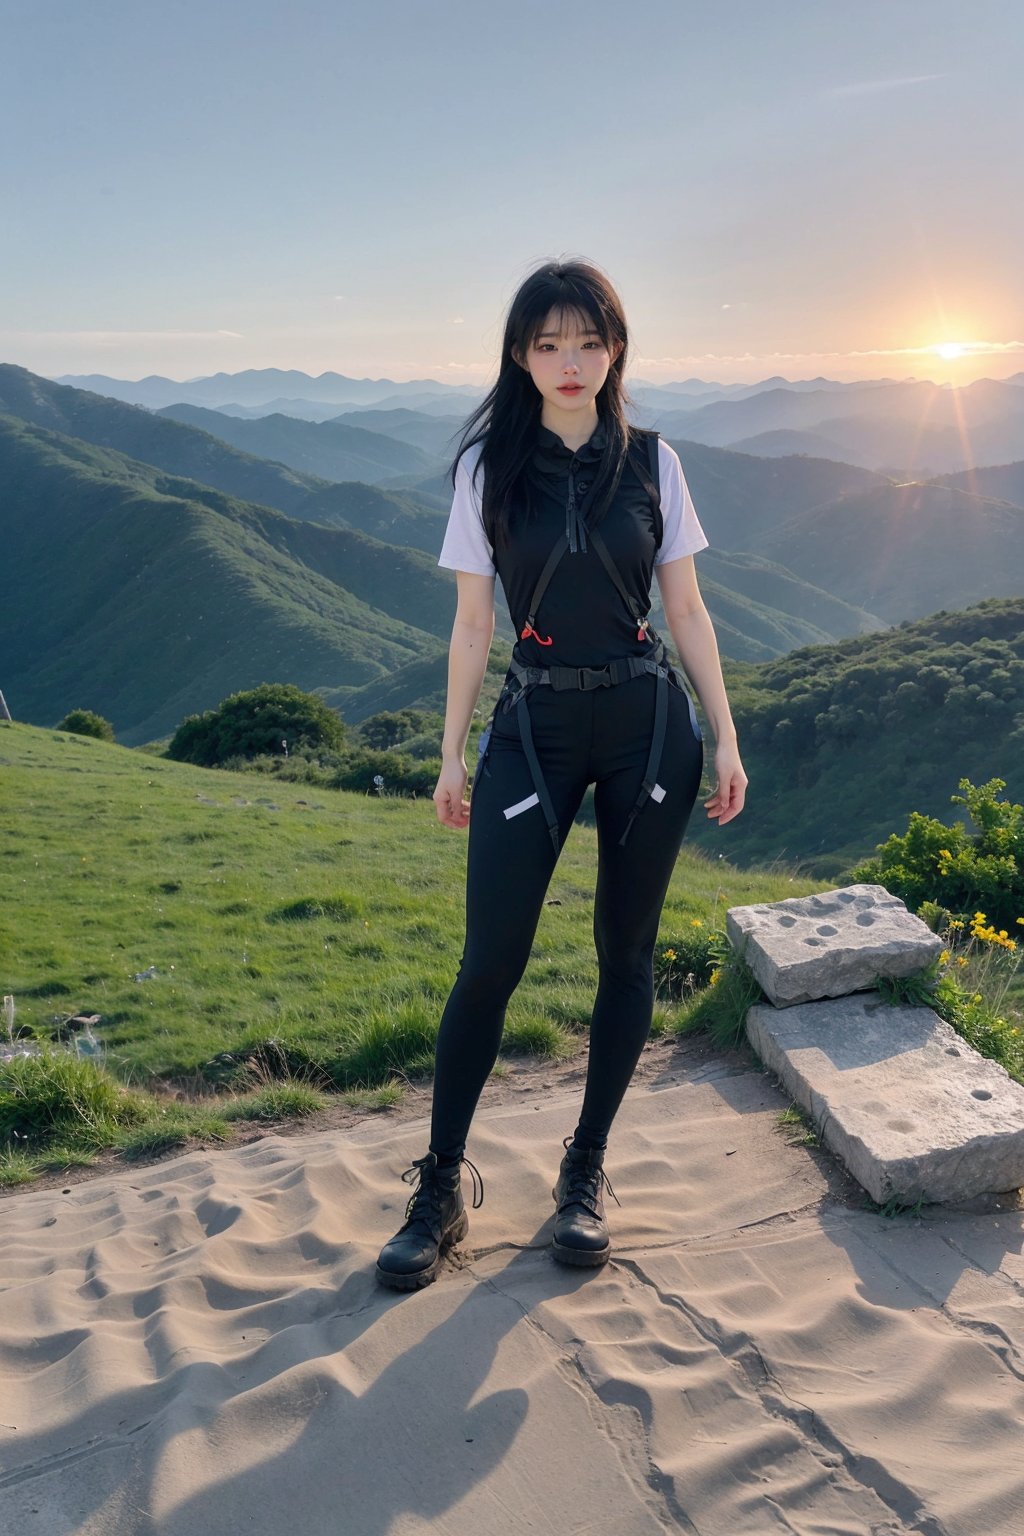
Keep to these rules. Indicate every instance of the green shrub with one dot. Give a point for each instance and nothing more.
(686, 964)
(255, 722)
(400, 773)
(85, 722)
(386, 729)
(960, 871)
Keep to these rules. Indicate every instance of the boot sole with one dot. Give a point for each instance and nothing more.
(584, 1258)
(417, 1278)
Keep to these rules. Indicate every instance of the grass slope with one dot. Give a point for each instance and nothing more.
(153, 598)
(269, 910)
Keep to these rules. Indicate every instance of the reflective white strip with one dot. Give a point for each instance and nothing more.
(523, 805)
(657, 793)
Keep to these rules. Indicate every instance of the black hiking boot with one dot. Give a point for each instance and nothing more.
(436, 1218)
(581, 1233)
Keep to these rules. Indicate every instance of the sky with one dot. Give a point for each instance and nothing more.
(804, 187)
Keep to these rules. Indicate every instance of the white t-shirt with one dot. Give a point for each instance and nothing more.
(466, 547)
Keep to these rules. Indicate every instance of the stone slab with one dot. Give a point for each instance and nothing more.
(907, 1105)
(831, 943)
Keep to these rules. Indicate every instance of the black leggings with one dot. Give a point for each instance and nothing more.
(600, 736)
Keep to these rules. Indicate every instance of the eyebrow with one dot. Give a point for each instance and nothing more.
(544, 335)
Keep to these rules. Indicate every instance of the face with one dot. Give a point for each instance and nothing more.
(561, 357)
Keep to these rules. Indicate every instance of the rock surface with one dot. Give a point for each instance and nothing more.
(911, 1109)
(830, 943)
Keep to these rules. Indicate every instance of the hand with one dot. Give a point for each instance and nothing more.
(450, 795)
(730, 791)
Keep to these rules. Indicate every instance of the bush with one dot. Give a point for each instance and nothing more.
(931, 862)
(257, 722)
(85, 722)
(385, 730)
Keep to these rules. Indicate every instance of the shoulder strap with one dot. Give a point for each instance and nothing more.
(652, 485)
(650, 479)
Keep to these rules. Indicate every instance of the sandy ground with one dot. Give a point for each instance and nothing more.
(199, 1346)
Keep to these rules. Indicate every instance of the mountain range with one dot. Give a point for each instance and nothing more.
(901, 427)
(152, 566)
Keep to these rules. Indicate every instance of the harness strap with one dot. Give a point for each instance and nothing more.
(526, 735)
(613, 672)
(575, 523)
(654, 756)
(618, 671)
(630, 602)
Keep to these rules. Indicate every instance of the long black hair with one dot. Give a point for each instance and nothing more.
(506, 420)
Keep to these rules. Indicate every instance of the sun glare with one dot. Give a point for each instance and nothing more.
(950, 350)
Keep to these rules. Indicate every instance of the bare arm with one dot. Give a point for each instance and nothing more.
(472, 633)
(694, 635)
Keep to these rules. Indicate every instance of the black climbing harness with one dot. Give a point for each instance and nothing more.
(621, 670)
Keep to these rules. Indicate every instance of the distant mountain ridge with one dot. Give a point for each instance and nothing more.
(331, 450)
(254, 385)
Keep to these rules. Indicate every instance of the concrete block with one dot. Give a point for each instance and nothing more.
(908, 1106)
(831, 943)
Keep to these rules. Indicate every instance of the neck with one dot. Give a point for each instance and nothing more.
(574, 427)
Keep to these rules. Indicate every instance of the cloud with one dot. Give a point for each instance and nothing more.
(870, 87)
(102, 337)
(968, 349)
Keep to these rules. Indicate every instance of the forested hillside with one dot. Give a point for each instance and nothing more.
(148, 597)
(841, 742)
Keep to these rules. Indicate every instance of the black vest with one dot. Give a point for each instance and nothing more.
(582, 613)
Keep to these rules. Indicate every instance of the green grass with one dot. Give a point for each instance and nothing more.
(299, 950)
(113, 861)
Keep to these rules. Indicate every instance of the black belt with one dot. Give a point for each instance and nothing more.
(621, 670)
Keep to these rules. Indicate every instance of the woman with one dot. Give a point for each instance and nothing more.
(559, 495)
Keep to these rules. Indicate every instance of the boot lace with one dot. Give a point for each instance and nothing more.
(425, 1201)
(584, 1183)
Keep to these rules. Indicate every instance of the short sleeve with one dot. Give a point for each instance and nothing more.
(465, 546)
(683, 534)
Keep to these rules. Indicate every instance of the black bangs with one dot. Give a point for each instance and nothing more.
(571, 316)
